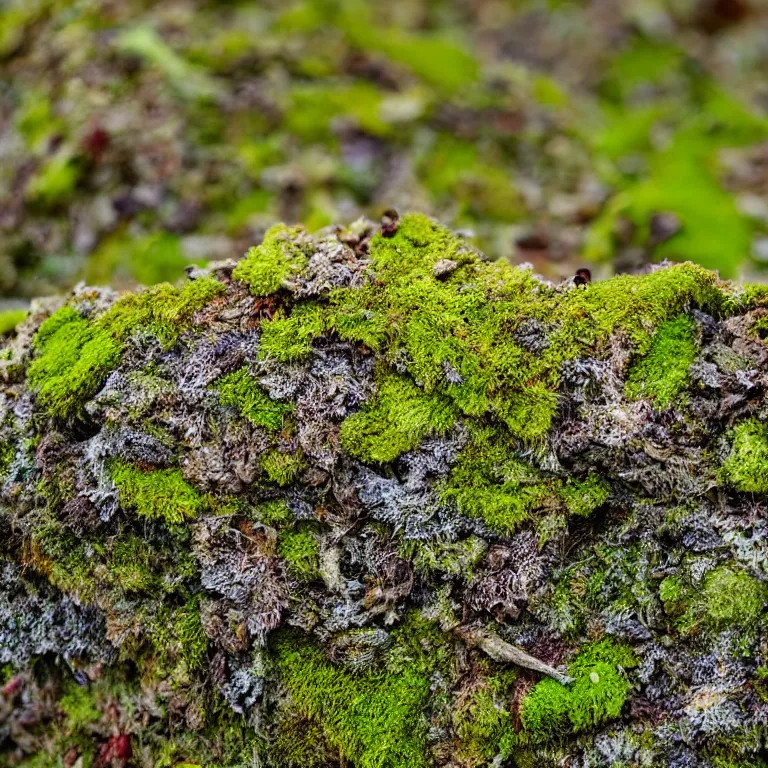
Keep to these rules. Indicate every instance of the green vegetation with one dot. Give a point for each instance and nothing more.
(373, 720)
(663, 373)
(242, 391)
(733, 598)
(299, 549)
(267, 266)
(10, 318)
(746, 467)
(159, 494)
(282, 468)
(596, 697)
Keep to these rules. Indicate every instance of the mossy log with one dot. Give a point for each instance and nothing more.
(368, 499)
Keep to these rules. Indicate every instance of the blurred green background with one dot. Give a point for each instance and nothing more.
(138, 137)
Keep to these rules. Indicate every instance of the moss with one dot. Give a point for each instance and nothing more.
(663, 373)
(373, 720)
(74, 355)
(282, 468)
(267, 266)
(79, 706)
(130, 567)
(240, 390)
(746, 467)
(674, 594)
(159, 494)
(399, 418)
(481, 720)
(73, 360)
(733, 597)
(289, 339)
(300, 551)
(595, 697)
(582, 498)
(10, 318)
(275, 513)
(489, 482)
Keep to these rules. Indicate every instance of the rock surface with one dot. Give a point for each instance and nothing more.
(337, 505)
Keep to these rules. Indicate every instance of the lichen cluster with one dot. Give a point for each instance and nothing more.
(365, 498)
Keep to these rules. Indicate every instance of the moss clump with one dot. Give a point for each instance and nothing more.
(289, 339)
(663, 373)
(274, 513)
(373, 719)
(582, 498)
(398, 419)
(300, 551)
(160, 494)
(731, 597)
(74, 355)
(267, 266)
(596, 697)
(746, 468)
(74, 358)
(242, 392)
(282, 468)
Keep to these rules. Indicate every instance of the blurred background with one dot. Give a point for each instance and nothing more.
(139, 137)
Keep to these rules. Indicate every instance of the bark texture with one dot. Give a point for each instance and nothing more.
(367, 499)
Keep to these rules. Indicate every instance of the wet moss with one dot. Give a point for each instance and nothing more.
(300, 551)
(733, 597)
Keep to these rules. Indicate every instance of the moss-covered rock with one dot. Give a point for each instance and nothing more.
(367, 498)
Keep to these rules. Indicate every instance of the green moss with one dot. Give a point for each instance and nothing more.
(595, 697)
(289, 339)
(266, 267)
(177, 635)
(481, 720)
(674, 594)
(130, 568)
(300, 550)
(374, 720)
(663, 373)
(731, 597)
(159, 494)
(274, 513)
(242, 391)
(73, 360)
(746, 467)
(399, 418)
(282, 468)
(80, 706)
(10, 318)
(582, 498)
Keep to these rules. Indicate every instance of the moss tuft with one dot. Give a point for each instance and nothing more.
(746, 468)
(373, 720)
(242, 391)
(282, 468)
(398, 419)
(300, 550)
(160, 494)
(289, 339)
(266, 267)
(663, 373)
(732, 597)
(596, 697)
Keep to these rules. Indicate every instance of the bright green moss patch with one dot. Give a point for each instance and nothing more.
(282, 468)
(158, 494)
(242, 392)
(289, 339)
(374, 720)
(10, 318)
(732, 597)
(265, 267)
(300, 551)
(489, 482)
(399, 418)
(74, 358)
(274, 513)
(596, 696)
(663, 373)
(746, 468)
(582, 498)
